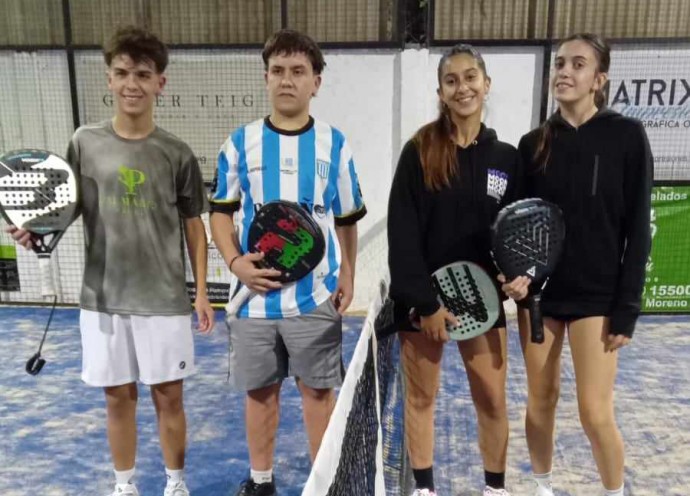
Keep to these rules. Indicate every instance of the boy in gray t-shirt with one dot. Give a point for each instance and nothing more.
(142, 195)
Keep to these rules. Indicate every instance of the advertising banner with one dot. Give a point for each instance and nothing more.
(667, 286)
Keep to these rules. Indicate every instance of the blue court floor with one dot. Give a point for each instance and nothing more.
(53, 442)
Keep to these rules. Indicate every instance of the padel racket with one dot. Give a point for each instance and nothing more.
(467, 292)
(528, 238)
(39, 193)
(290, 240)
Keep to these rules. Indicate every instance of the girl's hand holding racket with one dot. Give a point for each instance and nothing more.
(469, 304)
(528, 238)
(434, 326)
(517, 289)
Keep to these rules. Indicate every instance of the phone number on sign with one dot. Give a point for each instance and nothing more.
(668, 290)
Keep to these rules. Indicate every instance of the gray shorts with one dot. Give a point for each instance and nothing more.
(266, 351)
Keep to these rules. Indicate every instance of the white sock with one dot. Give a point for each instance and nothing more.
(614, 492)
(174, 476)
(261, 476)
(543, 480)
(124, 477)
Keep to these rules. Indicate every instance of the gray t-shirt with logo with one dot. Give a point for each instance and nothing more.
(135, 195)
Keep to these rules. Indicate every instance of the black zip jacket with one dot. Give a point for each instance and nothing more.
(429, 229)
(601, 175)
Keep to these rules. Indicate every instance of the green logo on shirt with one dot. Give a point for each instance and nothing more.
(132, 201)
(131, 178)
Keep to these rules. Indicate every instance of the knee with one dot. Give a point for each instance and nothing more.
(491, 405)
(421, 398)
(168, 400)
(544, 398)
(173, 405)
(120, 401)
(120, 409)
(596, 419)
(170, 405)
(316, 395)
(266, 397)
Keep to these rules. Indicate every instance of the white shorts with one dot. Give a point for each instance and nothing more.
(120, 349)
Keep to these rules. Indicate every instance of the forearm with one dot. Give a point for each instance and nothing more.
(347, 238)
(197, 247)
(224, 236)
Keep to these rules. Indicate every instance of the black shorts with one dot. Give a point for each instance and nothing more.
(564, 315)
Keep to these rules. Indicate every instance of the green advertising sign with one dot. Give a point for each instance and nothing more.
(667, 287)
(9, 275)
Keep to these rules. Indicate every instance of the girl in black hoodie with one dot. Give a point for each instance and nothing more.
(597, 166)
(452, 178)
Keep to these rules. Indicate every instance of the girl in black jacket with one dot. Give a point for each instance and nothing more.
(597, 166)
(452, 178)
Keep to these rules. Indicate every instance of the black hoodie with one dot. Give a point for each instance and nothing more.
(600, 174)
(429, 229)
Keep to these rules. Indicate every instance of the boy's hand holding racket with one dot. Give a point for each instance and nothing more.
(260, 280)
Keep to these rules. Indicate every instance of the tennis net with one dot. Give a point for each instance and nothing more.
(363, 452)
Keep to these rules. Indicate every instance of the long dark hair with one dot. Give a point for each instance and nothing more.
(435, 139)
(602, 52)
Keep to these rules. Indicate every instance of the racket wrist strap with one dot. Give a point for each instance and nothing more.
(233, 261)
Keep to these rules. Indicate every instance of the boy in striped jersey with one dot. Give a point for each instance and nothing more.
(293, 329)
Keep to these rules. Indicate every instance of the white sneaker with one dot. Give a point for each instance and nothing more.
(423, 492)
(490, 491)
(125, 490)
(177, 489)
(543, 491)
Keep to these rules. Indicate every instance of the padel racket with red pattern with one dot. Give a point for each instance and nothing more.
(290, 240)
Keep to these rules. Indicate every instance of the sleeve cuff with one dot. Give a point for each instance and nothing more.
(351, 218)
(225, 207)
(622, 322)
(428, 309)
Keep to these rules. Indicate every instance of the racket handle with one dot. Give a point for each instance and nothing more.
(536, 320)
(238, 300)
(46, 276)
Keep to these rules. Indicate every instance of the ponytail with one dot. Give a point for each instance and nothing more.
(437, 150)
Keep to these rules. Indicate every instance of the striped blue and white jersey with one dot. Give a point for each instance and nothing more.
(312, 166)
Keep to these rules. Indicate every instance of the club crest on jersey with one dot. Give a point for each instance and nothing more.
(496, 183)
(288, 166)
(322, 168)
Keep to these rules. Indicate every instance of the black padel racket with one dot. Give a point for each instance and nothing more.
(528, 238)
(290, 240)
(467, 292)
(39, 193)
